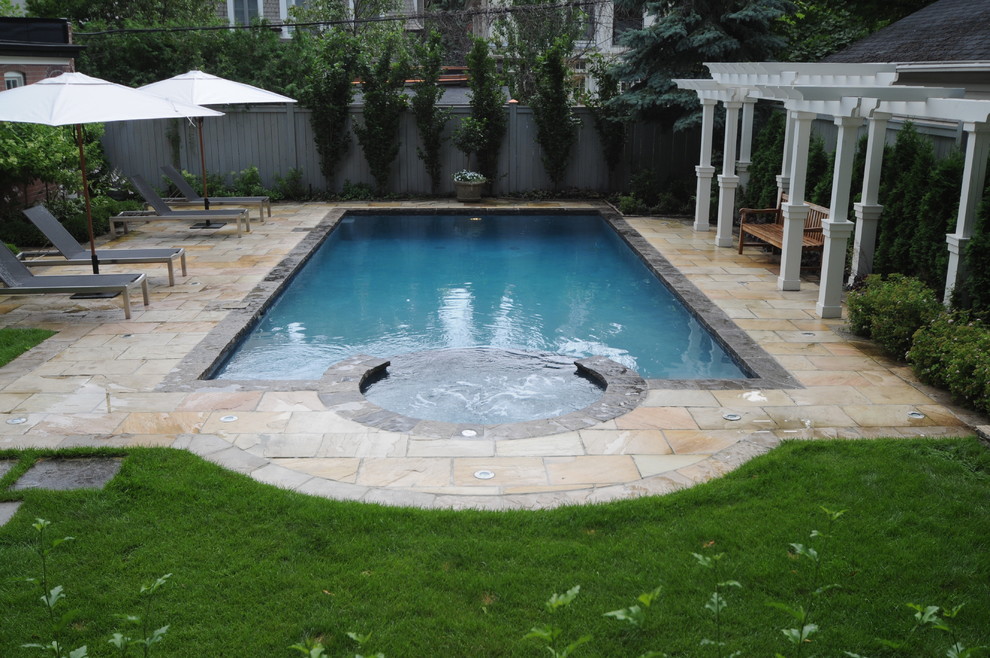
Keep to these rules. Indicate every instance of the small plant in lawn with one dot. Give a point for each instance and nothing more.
(148, 637)
(928, 616)
(550, 634)
(51, 598)
(635, 615)
(716, 603)
(803, 612)
(59, 621)
(314, 648)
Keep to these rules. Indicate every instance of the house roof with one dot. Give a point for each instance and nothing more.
(36, 37)
(944, 31)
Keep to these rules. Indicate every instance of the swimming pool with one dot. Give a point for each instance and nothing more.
(390, 284)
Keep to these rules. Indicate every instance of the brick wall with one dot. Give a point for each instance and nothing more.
(35, 72)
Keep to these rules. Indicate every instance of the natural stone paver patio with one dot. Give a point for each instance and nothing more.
(99, 382)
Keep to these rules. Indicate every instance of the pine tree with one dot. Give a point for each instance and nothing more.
(684, 35)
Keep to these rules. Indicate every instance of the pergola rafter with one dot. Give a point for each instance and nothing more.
(852, 94)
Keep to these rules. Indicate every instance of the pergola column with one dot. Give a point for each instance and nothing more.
(728, 181)
(794, 211)
(784, 177)
(705, 170)
(868, 210)
(974, 177)
(837, 228)
(745, 142)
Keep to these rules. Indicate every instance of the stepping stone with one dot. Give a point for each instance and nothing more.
(7, 511)
(66, 474)
(5, 467)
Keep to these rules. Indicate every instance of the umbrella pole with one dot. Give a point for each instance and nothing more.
(89, 211)
(202, 164)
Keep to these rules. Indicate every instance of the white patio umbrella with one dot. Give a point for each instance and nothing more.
(199, 88)
(75, 98)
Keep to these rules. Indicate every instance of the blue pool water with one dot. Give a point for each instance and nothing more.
(390, 284)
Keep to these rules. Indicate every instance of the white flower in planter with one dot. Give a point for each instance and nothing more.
(465, 176)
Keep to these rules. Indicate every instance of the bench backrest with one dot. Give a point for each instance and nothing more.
(816, 214)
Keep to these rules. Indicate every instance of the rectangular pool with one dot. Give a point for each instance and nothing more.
(385, 285)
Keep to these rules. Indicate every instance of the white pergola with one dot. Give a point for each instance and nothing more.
(853, 94)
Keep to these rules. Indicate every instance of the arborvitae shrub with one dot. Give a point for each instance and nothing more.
(761, 191)
(975, 287)
(905, 179)
(890, 311)
(819, 175)
(936, 216)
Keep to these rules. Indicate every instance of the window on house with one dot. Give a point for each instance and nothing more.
(13, 79)
(625, 18)
(587, 16)
(243, 12)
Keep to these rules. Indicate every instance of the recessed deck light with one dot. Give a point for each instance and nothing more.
(730, 416)
(915, 414)
(228, 419)
(484, 475)
(16, 421)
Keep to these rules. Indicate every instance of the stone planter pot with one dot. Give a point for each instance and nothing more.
(468, 191)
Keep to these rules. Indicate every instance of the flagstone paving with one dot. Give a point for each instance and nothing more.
(99, 382)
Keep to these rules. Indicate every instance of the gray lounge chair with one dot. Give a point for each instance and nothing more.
(20, 281)
(162, 211)
(191, 198)
(74, 254)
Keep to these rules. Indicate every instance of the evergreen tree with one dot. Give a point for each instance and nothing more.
(929, 253)
(610, 120)
(383, 76)
(768, 154)
(430, 118)
(487, 107)
(684, 35)
(974, 290)
(556, 124)
(903, 183)
(327, 92)
(818, 178)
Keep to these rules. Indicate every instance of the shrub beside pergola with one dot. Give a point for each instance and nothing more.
(853, 94)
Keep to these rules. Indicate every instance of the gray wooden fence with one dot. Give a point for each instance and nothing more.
(278, 138)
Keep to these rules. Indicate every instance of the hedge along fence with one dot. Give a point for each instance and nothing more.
(278, 139)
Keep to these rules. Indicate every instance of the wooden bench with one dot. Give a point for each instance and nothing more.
(772, 232)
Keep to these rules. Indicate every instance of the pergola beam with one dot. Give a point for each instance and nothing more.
(851, 93)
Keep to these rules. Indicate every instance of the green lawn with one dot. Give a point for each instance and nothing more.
(256, 568)
(14, 342)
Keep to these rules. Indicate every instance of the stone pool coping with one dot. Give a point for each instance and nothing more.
(96, 384)
(211, 351)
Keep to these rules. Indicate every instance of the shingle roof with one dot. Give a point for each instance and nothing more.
(944, 31)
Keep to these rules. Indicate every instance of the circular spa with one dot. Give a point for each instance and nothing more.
(482, 386)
